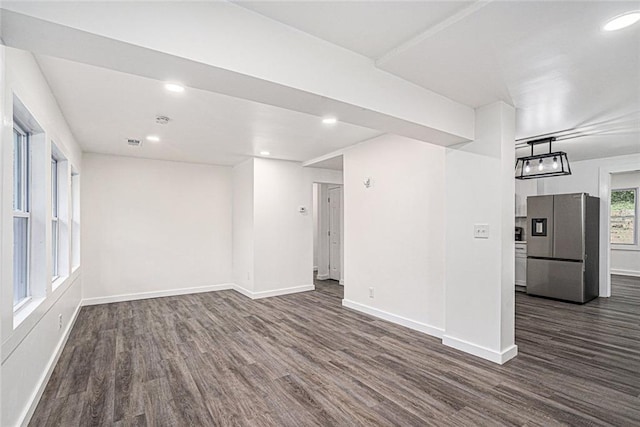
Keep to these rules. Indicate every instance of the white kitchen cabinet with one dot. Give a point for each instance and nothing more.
(524, 189)
(521, 264)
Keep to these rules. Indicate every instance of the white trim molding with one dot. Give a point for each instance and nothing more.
(157, 294)
(274, 292)
(621, 272)
(604, 184)
(500, 357)
(394, 318)
(197, 290)
(26, 415)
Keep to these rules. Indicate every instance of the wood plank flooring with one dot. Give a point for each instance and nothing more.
(302, 360)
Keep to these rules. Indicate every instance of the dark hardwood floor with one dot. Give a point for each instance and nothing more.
(298, 360)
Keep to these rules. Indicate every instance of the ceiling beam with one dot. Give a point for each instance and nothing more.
(431, 31)
(223, 48)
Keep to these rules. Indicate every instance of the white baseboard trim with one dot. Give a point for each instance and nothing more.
(315, 268)
(44, 379)
(186, 291)
(480, 351)
(247, 293)
(631, 273)
(322, 276)
(275, 292)
(157, 294)
(394, 318)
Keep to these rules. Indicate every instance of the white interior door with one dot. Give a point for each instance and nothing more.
(335, 197)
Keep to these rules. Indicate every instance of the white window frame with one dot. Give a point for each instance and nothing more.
(74, 221)
(635, 219)
(24, 211)
(55, 222)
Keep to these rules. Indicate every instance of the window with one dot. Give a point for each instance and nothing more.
(75, 220)
(55, 224)
(623, 216)
(21, 217)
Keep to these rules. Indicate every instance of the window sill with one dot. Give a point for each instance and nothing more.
(26, 310)
(58, 281)
(21, 304)
(625, 248)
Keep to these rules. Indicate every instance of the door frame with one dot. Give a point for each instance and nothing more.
(323, 238)
(604, 184)
(340, 225)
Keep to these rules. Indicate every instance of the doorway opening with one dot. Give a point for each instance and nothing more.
(328, 238)
(624, 239)
(615, 254)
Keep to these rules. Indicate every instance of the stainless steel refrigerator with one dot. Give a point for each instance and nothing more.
(562, 246)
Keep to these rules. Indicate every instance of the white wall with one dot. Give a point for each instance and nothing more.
(30, 341)
(27, 369)
(480, 189)
(593, 177)
(152, 226)
(243, 238)
(394, 231)
(273, 241)
(281, 233)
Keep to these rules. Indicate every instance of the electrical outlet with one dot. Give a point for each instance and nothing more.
(59, 321)
(481, 231)
(370, 292)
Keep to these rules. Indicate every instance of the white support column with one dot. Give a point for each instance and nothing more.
(479, 302)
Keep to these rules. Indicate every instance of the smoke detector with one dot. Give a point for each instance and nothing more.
(134, 142)
(162, 120)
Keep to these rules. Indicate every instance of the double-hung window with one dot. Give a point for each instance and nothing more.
(55, 224)
(624, 206)
(21, 217)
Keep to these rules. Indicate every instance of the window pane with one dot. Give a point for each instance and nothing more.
(54, 246)
(54, 188)
(623, 216)
(20, 259)
(17, 171)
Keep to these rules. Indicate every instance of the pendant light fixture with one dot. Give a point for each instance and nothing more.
(542, 165)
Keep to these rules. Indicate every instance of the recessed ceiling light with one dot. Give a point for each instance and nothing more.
(153, 138)
(329, 120)
(174, 87)
(265, 153)
(622, 21)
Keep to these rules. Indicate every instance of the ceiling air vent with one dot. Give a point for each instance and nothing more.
(134, 142)
(162, 120)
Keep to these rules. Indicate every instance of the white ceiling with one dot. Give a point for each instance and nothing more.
(104, 108)
(335, 163)
(370, 28)
(550, 59)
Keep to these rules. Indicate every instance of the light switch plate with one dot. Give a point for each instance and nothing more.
(481, 231)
